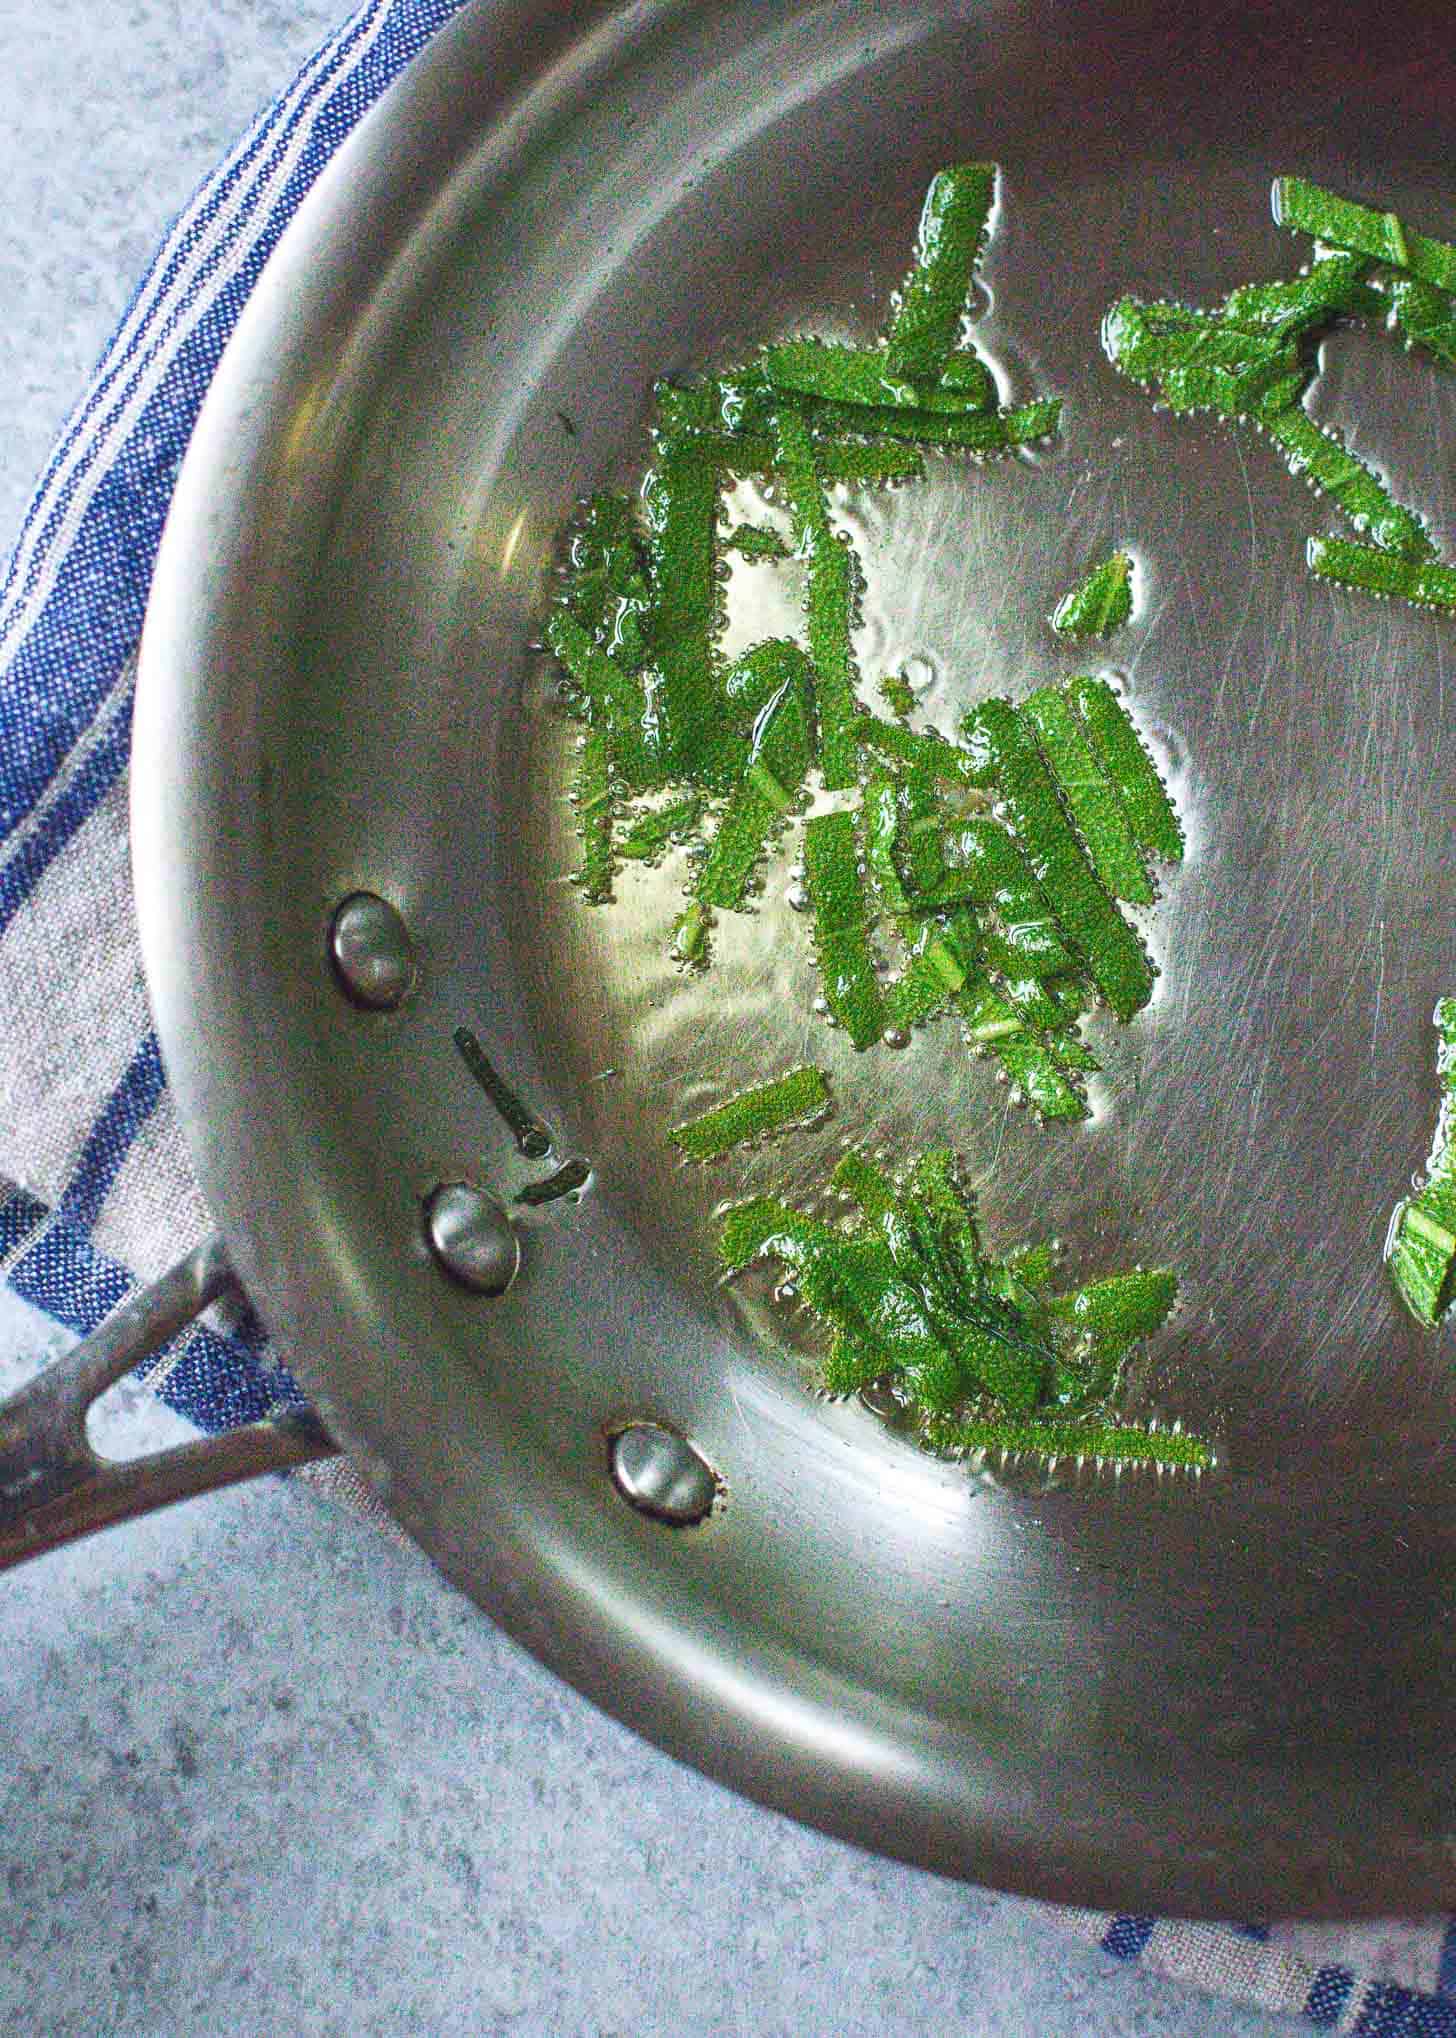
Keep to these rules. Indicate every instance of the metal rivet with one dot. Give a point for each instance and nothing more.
(372, 954)
(661, 1474)
(472, 1238)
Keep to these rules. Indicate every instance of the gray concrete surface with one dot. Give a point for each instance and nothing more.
(260, 1771)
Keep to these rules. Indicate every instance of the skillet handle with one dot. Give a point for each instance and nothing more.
(54, 1486)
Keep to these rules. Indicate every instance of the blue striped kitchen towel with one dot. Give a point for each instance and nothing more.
(97, 1191)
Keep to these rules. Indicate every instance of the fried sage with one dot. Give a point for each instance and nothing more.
(795, 1099)
(1252, 360)
(984, 1354)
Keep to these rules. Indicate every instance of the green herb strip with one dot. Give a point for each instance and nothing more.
(748, 820)
(993, 1021)
(1087, 917)
(989, 1360)
(1425, 317)
(925, 986)
(778, 759)
(981, 433)
(841, 927)
(795, 1099)
(1332, 287)
(1423, 1252)
(830, 601)
(863, 375)
(924, 830)
(1266, 391)
(1032, 1002)
(1134, 777)
(1099, 604)
(730, 419)
(853, 463)
(953, 224)
(864, 1184)
(1091, 800)
(896, 693)
(652, 834)
(1071, 1054)
(680, 510)
(612, 700)
(1375, 572)
(592, 792)
(1251, 361)
(881, 818)
(1359, 230)
(755, 541)
(977, 861)
(1146, 340)
(1026, 938)
(752, 453)
(1033, 1067)
(754, 1230)
(1317, 453)
(1101, 1443)
(1124, 1307)
(990, 1020)
(931, 755)
(935, 1186)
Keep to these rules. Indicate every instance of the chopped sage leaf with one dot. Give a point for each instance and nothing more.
(841, 927)
(653, 832)
(986, 1358)
(1366, 567)
(1359, 230)
(1253, 360)
(987, 867)
(1091, 798)
(795, 1099)
(1093, 1442)
(1130, 770)
(830, 600)
(1112, 951)
(1099, 604)
(755, 541)
(932, 306)
(592, 796)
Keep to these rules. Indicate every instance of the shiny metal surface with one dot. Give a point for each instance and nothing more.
(54, 1487)
(1228, 1696)
(661, 1474)
(472, 1238)
(372, 954)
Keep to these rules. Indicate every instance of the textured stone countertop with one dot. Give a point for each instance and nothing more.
(260, 1770)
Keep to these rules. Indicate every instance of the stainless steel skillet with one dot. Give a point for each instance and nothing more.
(1230, 1696)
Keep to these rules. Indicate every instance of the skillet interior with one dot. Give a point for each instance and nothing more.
(1204, 1697)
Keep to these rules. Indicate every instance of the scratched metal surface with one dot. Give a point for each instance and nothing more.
(1231, 1694)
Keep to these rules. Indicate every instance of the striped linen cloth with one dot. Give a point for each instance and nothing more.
(96, 1191)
